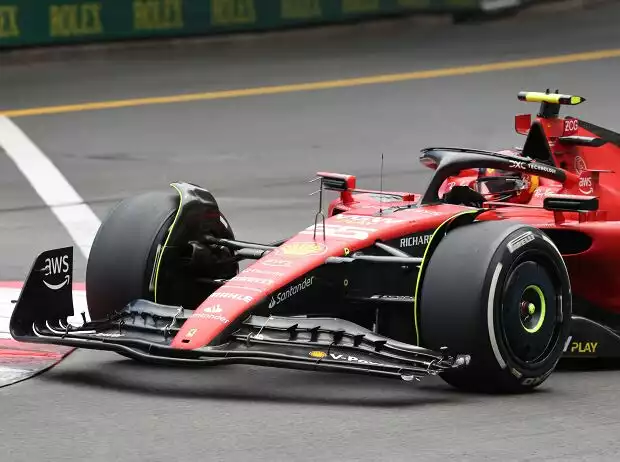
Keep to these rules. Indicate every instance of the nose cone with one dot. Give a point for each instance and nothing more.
(266, 281)
(286, 272)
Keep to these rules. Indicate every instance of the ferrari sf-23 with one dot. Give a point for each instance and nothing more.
(506, 263)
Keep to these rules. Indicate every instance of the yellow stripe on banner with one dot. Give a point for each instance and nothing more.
(324, 85)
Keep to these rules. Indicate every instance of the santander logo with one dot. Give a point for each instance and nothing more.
(292, 290)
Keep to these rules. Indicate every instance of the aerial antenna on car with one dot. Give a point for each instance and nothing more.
(319, 213)
(381, 188)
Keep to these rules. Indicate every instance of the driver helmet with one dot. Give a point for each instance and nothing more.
(506, 186)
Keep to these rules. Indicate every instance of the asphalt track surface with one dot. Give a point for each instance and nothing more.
(256, 154)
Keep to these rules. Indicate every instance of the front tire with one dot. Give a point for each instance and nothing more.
(122, 262)
(499, 291)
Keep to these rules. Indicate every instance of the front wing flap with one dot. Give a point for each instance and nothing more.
(143, 331)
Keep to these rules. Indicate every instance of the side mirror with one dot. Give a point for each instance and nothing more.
(564, 203)
(337, 181)
(345, 184)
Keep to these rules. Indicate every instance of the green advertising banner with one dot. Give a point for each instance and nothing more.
(40, 22)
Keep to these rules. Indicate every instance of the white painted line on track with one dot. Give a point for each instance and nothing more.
(50, 184)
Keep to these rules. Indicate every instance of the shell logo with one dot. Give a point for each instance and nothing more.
(318, 354)
(302, 249)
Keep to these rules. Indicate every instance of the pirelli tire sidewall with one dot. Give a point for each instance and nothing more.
(468, 280)
(540, 249)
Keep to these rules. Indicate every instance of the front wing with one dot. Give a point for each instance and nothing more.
(143, 330)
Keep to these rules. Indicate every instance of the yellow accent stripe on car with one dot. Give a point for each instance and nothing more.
(421, 269)
(550, 98)
(161, 253)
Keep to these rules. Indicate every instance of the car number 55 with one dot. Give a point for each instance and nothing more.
(341, 231)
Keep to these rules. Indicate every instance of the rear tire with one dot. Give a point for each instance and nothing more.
(120, 267)
(499, 291)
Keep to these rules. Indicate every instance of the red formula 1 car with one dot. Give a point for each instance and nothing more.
(505, 263)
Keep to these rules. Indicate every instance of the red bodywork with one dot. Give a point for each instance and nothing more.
(345, 233)
(589, 172)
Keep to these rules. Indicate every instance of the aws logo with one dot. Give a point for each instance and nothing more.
(56, 266)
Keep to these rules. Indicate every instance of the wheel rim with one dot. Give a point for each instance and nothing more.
(533, 308)
(529, 313)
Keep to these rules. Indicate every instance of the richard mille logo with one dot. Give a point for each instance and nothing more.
(415, 241)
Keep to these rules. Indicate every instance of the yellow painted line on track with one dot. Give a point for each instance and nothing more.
(324, 85)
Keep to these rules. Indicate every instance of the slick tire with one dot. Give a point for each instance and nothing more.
(123, 252)
(120, 267)
(500, 292)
